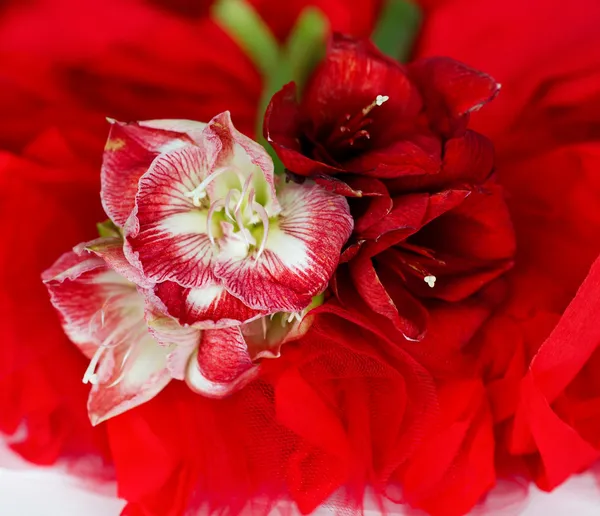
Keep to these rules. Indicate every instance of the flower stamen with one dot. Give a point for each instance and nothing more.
(244, 191)
(264, 218)
(199, 193)
(242, 229)
(90, 375)
(379, 101)
(430, 280)
(353, 128)
(209, 218)
(228, 199)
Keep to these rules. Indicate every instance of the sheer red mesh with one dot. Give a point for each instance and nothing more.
(333, 411)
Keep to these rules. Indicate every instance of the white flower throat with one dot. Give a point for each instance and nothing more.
(242, 218)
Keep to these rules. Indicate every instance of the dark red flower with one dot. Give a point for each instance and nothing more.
(432, 223)
(363, 113)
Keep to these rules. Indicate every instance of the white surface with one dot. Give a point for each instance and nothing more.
(27, 491)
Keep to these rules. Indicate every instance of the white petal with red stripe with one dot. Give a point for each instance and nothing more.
(167, 233)
(128, 376)
(92, 300)
(181, 341)
(129, 151)
(103, 314)
(240, 158)
(110, 249)
(301, 252)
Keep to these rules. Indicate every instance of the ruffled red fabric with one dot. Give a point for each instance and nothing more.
(152, 59)
(48, 200)
(538, 353)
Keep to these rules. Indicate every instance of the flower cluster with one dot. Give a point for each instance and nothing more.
(439, 361)
(208, 263)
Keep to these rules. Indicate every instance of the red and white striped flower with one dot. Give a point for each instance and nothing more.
(134, 349)
(210, 266)
(104, 314)
(221, 238)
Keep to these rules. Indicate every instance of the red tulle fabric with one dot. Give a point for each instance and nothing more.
(505, 385)
(333, 411)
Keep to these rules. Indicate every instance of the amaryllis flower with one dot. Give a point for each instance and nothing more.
(134, 349)
(209, 240)
(103, 314)
(364, 113)
(212, 231)
(430, 221)
(444, 245)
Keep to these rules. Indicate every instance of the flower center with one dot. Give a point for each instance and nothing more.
(414, 260)
(243, 215)
(351, 132)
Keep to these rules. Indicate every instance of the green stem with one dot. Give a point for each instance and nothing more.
(399, 23)
(306, 45)
(304, 48)
(249, 31)
(278, 66)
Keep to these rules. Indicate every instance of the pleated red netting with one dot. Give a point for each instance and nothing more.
(332, 412)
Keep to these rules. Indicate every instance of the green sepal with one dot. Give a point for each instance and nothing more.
(108, 229)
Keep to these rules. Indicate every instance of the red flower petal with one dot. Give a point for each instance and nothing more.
(282, 129)
(210, 306)
(301, 252)
(420, 156)
(352, 76)
(346, 187)
(221, 365)
(282, 120)
(129, 151)
(451, 90)
(167, 235)
(391, 301)
(375, 205)
(407, 214)
(479, 228)
(468, 160)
